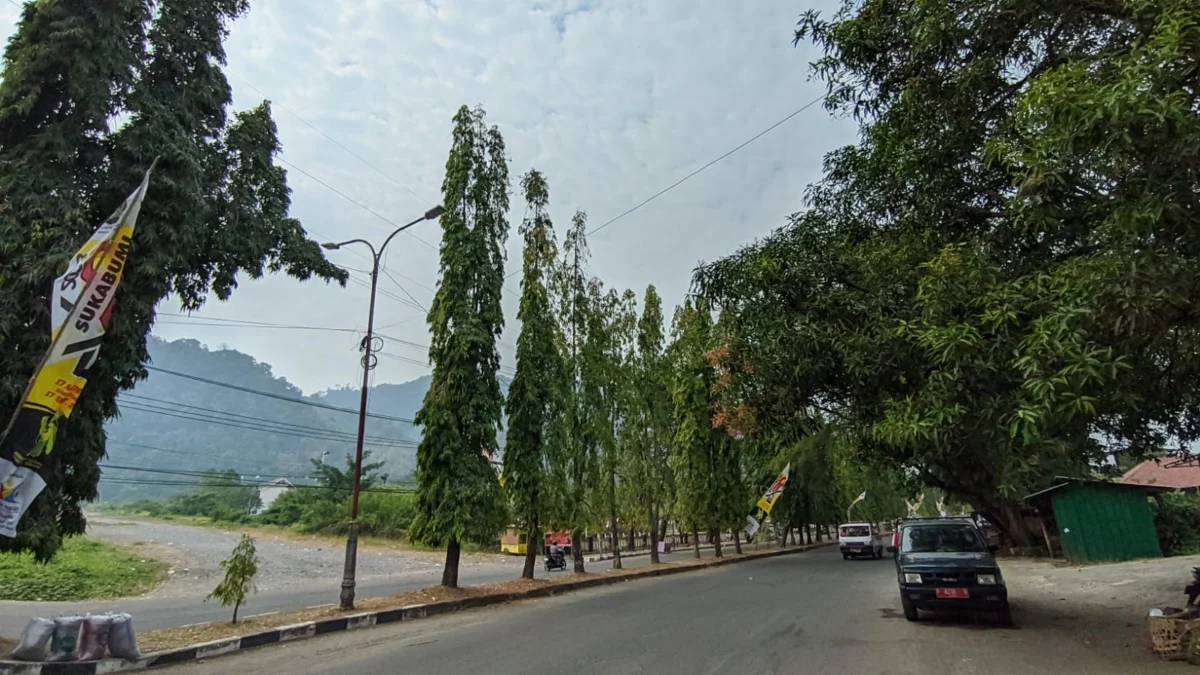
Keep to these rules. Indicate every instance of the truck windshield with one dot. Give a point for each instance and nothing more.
(942, 539)
(855, 531)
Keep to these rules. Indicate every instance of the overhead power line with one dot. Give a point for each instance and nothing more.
(280, 397)
(215, 458)
(237, 424)
(679, 182)
(355, 202)
(693, 174)
(288, 425)
(328, 137)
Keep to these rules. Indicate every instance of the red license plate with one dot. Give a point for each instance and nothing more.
(953, 593)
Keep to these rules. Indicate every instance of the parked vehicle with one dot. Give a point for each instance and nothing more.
(860, 539)
(946, 563)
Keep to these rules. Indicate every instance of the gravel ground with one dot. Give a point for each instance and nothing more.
(1105, 606)
(195, 554)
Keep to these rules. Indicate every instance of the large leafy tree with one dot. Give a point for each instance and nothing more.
(532, 396)
(997, 284)
(217, 206)
(458, 497)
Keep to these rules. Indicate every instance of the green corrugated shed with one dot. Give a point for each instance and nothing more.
(1102, 522)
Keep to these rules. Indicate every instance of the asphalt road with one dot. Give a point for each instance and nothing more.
(151, 613)
(805, 613)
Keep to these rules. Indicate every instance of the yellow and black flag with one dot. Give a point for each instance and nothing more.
(81, 305)
(766, 502)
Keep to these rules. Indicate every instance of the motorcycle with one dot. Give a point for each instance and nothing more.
(555, 561)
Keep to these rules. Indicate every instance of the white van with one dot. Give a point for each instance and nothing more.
(860, 539)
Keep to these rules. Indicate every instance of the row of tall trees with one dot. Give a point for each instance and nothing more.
(997, 284)
(90, 94)
(610, 426)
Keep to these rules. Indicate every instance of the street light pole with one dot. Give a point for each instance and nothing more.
(351, 564)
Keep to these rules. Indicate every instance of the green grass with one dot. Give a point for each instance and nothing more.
(82, 570)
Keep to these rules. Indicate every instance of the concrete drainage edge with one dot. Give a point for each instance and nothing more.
(310, 629)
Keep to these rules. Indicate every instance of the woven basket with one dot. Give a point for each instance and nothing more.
(1166, 631)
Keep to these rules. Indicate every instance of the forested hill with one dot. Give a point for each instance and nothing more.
(181, 426)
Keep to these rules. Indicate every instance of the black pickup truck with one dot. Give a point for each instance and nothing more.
(947, 564)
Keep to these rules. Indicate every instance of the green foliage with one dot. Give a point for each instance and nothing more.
(458, 496)
(574, 455)
(1177, 519)
(338, 483)
(81, 570)
(710, 491)
(994, 278)
(240, 569)
(532, 397)
(386, 514)
(217, 205)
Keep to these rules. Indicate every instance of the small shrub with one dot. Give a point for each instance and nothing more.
(240, 568)
(1177, 519)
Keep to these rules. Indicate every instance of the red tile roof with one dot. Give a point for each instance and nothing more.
(1155, 472)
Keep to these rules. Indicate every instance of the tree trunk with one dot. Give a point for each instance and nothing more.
(818, 529)
(662, 529)
(1014, 526)
(808, 532)
(632, 537)
(236, 605)
(612, 514)
(792, 534)
(654, 539)
(737, 541)
(715, 535)
(531, 550)
(450, 573)
(577, 551)
(696, 541)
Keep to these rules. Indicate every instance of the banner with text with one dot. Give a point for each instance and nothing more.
(766, 502)
(80, 307)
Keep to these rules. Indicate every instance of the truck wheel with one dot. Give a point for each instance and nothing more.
(845, 556)
(910, 610)
(1004, 616)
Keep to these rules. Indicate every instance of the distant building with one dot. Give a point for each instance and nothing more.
(270, 492)
(1170, 473)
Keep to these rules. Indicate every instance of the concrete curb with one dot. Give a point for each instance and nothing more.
(310, 629)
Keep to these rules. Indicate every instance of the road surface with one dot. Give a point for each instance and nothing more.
(315, 580)
(805, 613)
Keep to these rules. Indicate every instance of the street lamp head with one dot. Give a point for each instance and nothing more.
(434, 212)
(330, 246)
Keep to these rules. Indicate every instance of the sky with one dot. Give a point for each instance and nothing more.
(612, 100)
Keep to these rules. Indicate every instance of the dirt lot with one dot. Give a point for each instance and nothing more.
(1105, 605)
(290, 561)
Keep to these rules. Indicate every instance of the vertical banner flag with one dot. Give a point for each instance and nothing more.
(80, 307)
(764, 504)
(856, 500)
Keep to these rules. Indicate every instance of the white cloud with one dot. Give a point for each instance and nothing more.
(612, 99)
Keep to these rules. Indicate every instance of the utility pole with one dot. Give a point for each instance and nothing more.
(368, 363)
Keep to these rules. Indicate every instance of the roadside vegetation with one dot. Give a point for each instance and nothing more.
(83, 570)
(995, 285)
(320, 506)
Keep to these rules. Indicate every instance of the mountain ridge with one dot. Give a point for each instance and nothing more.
(171, 426)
